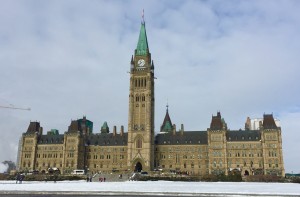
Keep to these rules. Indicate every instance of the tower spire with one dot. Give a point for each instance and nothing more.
(167, 123)
(167, 106)
(143, 19)
(142, 45)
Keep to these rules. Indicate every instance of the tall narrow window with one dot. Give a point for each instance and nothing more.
(139, 143)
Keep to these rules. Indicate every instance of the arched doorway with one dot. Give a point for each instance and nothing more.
(246, 173)
(138, 167)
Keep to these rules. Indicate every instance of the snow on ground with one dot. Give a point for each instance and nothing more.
(156, 187)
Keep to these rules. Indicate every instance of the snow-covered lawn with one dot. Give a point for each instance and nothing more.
(155, 187)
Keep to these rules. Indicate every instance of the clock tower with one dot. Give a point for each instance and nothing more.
(141, 107)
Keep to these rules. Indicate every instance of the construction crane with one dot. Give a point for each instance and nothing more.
(13, 107)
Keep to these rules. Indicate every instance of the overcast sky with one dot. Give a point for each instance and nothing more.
(66, 59)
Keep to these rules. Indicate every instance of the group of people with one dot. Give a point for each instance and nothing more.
(20, 178)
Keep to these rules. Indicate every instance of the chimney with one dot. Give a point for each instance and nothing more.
(115, 131)
(248, 124)
(40, 130)
(122, 130)
(260, 124)
(174, 129)
(181, 129)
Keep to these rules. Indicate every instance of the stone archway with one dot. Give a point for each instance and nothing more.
(246, 173)
(138, 167)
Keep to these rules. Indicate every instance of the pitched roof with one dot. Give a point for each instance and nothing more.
(51, 139)
(185, 138)
(243, 135)
(167, 123)
(268, 122)
(74, 126)
(105, 128)
(107, 139)
(33, 127)
(216, 122)
(83, 125)
(142, 45)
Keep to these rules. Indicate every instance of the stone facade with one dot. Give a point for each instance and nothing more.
(216, 150)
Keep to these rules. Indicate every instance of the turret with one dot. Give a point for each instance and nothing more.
(105, 128)
(269, 122)
(216, 122)
(167, 123)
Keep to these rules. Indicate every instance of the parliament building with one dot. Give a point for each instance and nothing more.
(216, 150)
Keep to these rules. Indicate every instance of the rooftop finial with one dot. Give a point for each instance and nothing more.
(143, 20)
(167, 105)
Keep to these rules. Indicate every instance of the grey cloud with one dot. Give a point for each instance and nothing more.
(66, 60)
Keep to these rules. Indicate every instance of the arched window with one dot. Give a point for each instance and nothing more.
(139, 143)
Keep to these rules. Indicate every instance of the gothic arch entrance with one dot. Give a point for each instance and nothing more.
(138, 167)
(246, 173)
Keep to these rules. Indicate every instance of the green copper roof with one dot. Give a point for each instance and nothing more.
(167, 127)
(167, 124)
(105, 128)
(142, 46)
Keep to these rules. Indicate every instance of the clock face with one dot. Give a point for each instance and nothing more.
(141, 62)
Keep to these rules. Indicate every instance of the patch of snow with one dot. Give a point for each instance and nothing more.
(155, 187)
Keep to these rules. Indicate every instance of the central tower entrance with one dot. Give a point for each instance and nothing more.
(138, 167)
(141, 107)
